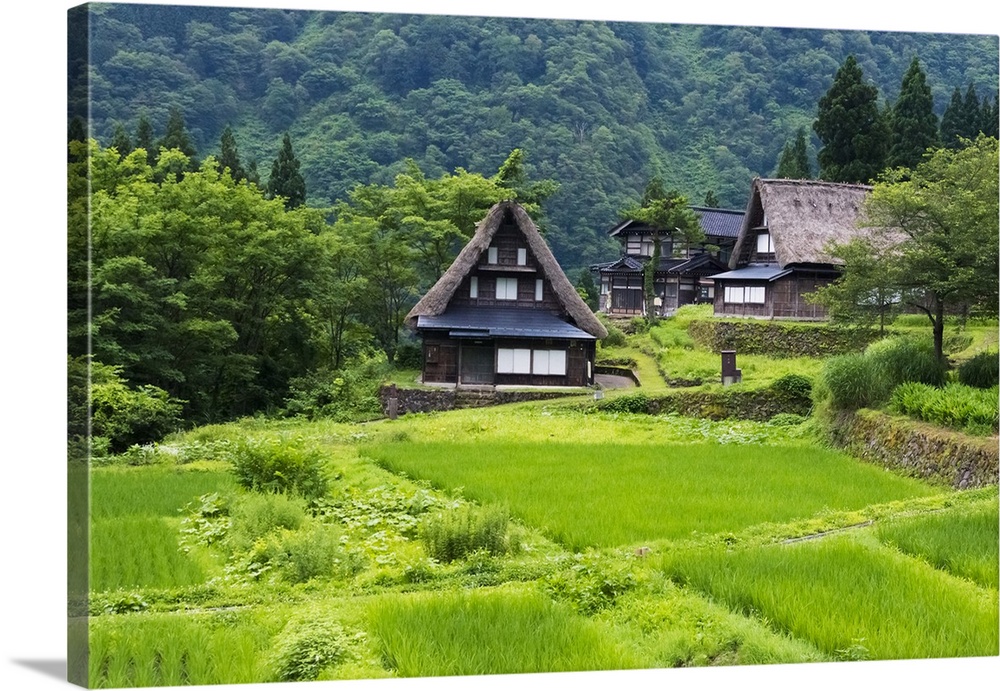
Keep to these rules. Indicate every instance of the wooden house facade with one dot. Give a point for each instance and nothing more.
(504, 313)
(780, 255)
(681, 276)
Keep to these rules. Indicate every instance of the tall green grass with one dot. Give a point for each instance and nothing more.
(963, 542)
(490, 632)
(957, 406)
(133, 533)
(150, 491)
(852, 598)
(177, 649)
(616, 494)
(141, 551)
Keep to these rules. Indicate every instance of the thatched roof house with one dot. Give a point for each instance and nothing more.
(781, 251)
(505, 313)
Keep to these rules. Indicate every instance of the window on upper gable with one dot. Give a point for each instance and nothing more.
(506, 288)
(522, 256)
(764, 244)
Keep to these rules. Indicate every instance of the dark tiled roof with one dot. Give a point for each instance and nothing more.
(491, 322)
(722, 223)
(759, 272)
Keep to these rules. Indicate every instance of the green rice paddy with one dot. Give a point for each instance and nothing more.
(608, 494)
(712, 499)
(851, 596)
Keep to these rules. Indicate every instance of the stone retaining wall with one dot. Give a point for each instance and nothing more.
(429, 400)
(941, 456)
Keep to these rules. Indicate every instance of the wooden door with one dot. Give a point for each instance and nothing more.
(477, 364)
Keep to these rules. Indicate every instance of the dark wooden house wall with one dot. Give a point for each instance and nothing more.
(783, 298)
(443, 361)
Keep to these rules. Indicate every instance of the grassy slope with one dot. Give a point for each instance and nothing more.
(652, 621)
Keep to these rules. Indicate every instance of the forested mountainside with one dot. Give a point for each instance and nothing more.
(597, 107)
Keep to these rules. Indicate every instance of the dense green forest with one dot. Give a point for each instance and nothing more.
(597, 107)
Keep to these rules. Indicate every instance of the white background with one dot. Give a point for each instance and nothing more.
(32, 396)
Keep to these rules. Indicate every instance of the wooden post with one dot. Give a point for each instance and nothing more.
(730, 375)
(392, 405)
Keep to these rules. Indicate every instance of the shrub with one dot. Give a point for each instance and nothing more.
(615, 337)
(590, 585)
(981, 371)
(345, 395)
(793, 386)
(126, 416)
(853, 381)
(254, 515)
(629, 403)
(268, 465)
(301, 555)
(306, 646)
(455, 533)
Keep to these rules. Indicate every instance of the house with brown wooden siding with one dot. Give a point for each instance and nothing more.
(681, 274)
(504, 313)
(781, 253)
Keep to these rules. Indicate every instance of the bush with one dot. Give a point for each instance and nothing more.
(456, 533)
(793, 386)
(981, 371)
(346, 395)
(307, 645)
(126, 416)
(637, 403)
(409, 355)
(301, 555)
(267, 465)
(853, 381)
(615, 337)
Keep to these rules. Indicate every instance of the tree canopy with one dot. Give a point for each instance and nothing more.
(933, 239)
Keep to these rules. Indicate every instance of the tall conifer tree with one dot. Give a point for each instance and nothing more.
(144, 139)
(952, 121)
(176, 136)
(794, 163)
(285, 180)
(851, 128)
(229, 156)
(913, 124)
(120, 141)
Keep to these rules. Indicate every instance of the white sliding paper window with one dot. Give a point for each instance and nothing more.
(491, 255)
(755, 294)
(539, 283)
(474, 287)
(764, 245)
(522, 256)
(506, 288)
(552, 362)
(513, 361)
(734, 294)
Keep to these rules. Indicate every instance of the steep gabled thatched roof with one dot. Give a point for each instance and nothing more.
(803, 218)
(435, 302)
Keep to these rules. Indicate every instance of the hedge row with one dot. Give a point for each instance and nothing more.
(791, 394)
(777, 338)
